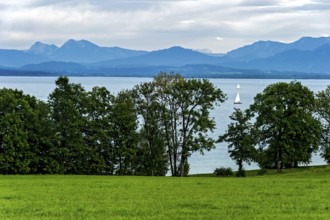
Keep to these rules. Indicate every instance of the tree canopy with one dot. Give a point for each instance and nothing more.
(180, 109)
(288, 130)
(154, 128)
(323, 112)
(240, 139)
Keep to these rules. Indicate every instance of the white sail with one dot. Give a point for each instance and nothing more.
(238, 99)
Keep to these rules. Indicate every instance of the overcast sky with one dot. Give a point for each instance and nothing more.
(217, 25)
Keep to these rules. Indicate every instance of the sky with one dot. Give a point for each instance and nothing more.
(216, 26)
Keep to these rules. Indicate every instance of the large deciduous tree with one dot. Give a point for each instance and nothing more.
(124, 136)
(239, 137)
(41, 139)
(14, 147)
(186, 121)
(98, 131)
(288, 131)
(323, 111)
(25, 135)
(67, 103)
(154, 159)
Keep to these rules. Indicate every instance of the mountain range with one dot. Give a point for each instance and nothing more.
(307, 57)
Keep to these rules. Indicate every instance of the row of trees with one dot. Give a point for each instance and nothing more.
(282, 128)
(144, 131)
(155, 127)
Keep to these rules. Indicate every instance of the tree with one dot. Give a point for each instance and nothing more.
(98, 131)
(67, 103)
(41, 139)
(124, 136)
(153, 157)
(186, 104)
(14, 146)
(323, 112)
(240, 139)
(288, 131)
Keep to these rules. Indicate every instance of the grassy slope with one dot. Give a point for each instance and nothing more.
(300, 194)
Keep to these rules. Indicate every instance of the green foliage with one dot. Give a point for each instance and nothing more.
(124, 137)
(41, 140)
(223, 172)
(16, 112)
(98, 131)
(262, 172)
(154, 127)
(288, 132)
(152, 136)
(95, 131)
(186, 104)
(323, 112)
(67, 104)
(241, 173)
(79, 132)
(240, 139)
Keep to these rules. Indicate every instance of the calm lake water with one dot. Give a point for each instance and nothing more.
(41, 87)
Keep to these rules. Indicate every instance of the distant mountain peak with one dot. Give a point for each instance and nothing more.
(309, 43)
(39, 48)
(78, 44)
(257, 50)
(173, 56)
(177, 50)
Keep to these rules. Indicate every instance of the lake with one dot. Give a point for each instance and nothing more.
(41, 87)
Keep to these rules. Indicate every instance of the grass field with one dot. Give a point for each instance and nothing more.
(297, 194)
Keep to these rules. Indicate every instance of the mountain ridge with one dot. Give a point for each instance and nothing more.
(307, 54)
(173, 56)
(81, 51)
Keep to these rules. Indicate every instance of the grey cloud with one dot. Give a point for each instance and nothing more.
(314, 7)
(158, 24)
(258, 3)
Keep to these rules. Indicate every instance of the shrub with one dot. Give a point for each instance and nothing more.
(262, 172)
(240, 173)
(222, 171)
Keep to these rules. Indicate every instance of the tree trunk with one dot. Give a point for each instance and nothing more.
(278, 162)
(240, 166)
(182, 166)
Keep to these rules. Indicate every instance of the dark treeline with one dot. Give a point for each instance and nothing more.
(147, 130)
(154, 128)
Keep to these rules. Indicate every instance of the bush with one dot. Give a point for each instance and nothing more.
(222, 171)
(240, 173)
(262, 172)
(326, 154)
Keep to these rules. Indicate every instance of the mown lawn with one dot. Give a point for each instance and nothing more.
(296, 194)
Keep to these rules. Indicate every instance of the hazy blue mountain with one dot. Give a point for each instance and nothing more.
(198, 71)
(309, 43)
(15, 58)
(316, 61)
(84, 51)
(174, 56)
(264, 49)
(42, 49)
(306, 55)
(258, 50)
(56, 67)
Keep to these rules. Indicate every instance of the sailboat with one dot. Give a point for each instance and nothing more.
(238, 99)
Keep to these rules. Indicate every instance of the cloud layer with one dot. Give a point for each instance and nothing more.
(219, 25)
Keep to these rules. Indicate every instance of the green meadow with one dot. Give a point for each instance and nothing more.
(302, 193)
